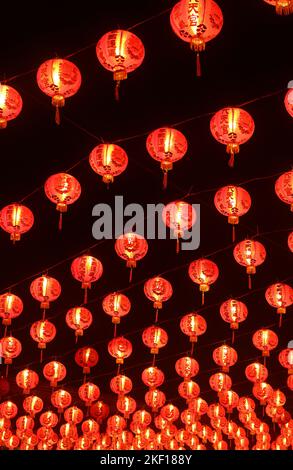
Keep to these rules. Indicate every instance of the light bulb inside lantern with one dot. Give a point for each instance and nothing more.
(3, 93)
(233, 119)
(107, 154)
(44, 286)
(16, 216)
(56, 73)
(168, 142)
(120, 44)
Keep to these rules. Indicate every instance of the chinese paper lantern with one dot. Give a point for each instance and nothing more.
(280, 296)
(8, 409)
(216, 411)
(286, 359)
(86, 269)
(179, 216)
(99, 411)
(290, 382)
(233, 202)
(120, 348)
(10, 348)
(13, 442)
(10, 104)
(54, 371)
(153, 377)
(170, 412)
(289, 100)
(79, 319)
(256, 372)
(251, 254)
(284, 188)
(245, 405)
(220, 382)
(121, 384)
(290, 242)
(225, 357)
(86, 358)
(33, 405)
(48, 419)
(16, 219)
(196, 22)
(265, 340)
(82, 443)
(154, 338)
(42, 332)
(188, 389)
(167, 146)
(158, 290)
(89, 392)
(131, 247)
(115, 423)
(262, 391)
(126, 405)
(108, 161)
(61, 399)
(90, 428)
(64, 443)
(283, 7)
(120, 52)
(232, 127)
(277, 398)
(116, 305)
(4, 387)
(229, 399)
(199, 407)
(69, 431)
(203, 272)
(155, 399)
(11, 306)
(221, 445)
(59, 79)
(62, 189)
(73, 415)
(187, 367)
(25, 423)
(234, 312)
(193, 325)
(27, 380)
(45, 289)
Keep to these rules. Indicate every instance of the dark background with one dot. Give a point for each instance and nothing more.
(251, 57)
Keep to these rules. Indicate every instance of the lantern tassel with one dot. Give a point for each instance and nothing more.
(85, 296)
(249, 281)
(264, 361)
(233, 336)
(41, 356)
(280, 320)
(156, 317)
(115, 331)
(117, 87)
(233, 234)
(57, 116)
(165, 180)
(177, 246)
(60, 221)
(231, 160)
(198, 65)
(263, 411)
(76, 339)
(6, 372)
(154, 360)
(130, 276)
(192, 349)
(44, 314)
(202, 298)
(5, 331)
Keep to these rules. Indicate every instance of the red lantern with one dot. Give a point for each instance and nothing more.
(154, 338)
(179, 216)
(8, 410)
(187, 367)
(109, 161)
(155, 399)
(131, 247)
(256, 372)
(126, 405)
(62, 189)
(233, 202)
(290, 382)
(229, 399)
(170, 413)
(277, 398)
(79, 319)
(16, 219)
(290, 242)
(220, 382)
(279, 296)
(152, 377)
(167, 146)
(73, 415)
(13, 442)
(115, 424)
(196, 22)
(11, 306)
(158, 290)
(45, 289)
(284, 188)
(265, 340)
(289, 97)
(188, 389)
(193, 325)
(116, 305)
(59, 79)
(27, 380)
(199, 407)
(225, 357)
(49, 419)
(10, 104)
(120, 348)
(262, 391)
(10, 348)
(89, 392)
(33, 405)
(142, 418)
(99, 411)
(4, 387)
(245, 405)
(286, 359)
(121, 52)
(216, 411)
(25, 423)
(86, 269)
(90, 428)
(283, 7)
(43, 332)
(54, 372)
(234, 312)
(249, 253)
(86, 358)
(121, 385)
(61, 399)
(203, 272)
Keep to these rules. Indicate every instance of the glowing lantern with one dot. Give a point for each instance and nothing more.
(289, 99)
(290, 242)
(220, 382)
(116, 305)
(27, 380)
(33, 405)
(64, 443)
(284, 188)
(167, 146)
(120, 348)
(279, 296)
(216, 411)
(86, 269)
(131, 247)
(196, 22)
(153, 377)
(283, 7)
(245, 405)
(25, 423)
(69, 431)
(48, 419)
(61, 399)
(90, 428)
(193, 325)
(262, 391)
(121, 52)
(10, 348)
(109, 161)
(54, 372)
(199, 407)
(188, 389)
(256, 372)
(179, 216)
(11, 307)
(155, 399)
(45, 289)
(233, 202)
(8, 410)
(42, 332)
(13, 442)
(277, 398)
(286, 359)
(249, 253)
(221, 445)
(234, 312)
(225, 357)
(79, 319)
(88, 392)
(4, 387)
(290, 382)
(158, 290)
(187, 367)
(229, 399)
(10, 104)
(16, 219)
(203, 272)
(99, 411)
(62, 189)
(59, 79)
(121, 384)
(126, 405)
(73, 415)
(86, 358)
(170, 413)
(265, 340)
(154, 338)
(82, 443)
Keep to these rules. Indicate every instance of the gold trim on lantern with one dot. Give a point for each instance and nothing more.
(250, 269)
(197, 44)
(154, 350)
(119, 75)
(108, 178)
(61, 207)
(131, 263)
(233, 219)
(204, 287)
(281, 310)
(234, 325)
(116, 320)
(58, 101)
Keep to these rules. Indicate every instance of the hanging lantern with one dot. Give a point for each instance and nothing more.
(232, 127)
(167, 146)
(25, 423)
(99, 411)
(193, 325)
(170, 413)
(196, 22)
(234, 312)
(286, 359)
(27, 380)
(121, 385)
(8, 410)
(153, 377)
(256, 372)
(290, 382)
(62, 189)
(199, 407)
(233, 202)
(154, 338)
(188, 389)
(262, 391)
(16, 219)
(116, 305)
(90, 428)
(225, 357)
(131, 247)
(220, 382)
(265, 340)
(251, 254)
(13, 442)
(187, 367)
(11, 307)
(73, 415)
(289, 98)
(290, 242)
(245, 405)
(179, 216)
(158, 290)
(114, 424)
(10, 104)
(4, 387)
(108, 161)
(10, 348)
(142, 417)
(79, 319)
(45, 289)
(54, 372)
(121, 52)
(279, 296)
(89, 392)
(43, 332)
(126, 405)
(120, 348)
(203, 272)
(33, 405)
(155, 399)
(283, 7)
(59, 79)
(61, 399)
(216, 411)
(48, 419)
(229, 400)
(277, 398)
(284, 188)
(86, 269)
(86, 358)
